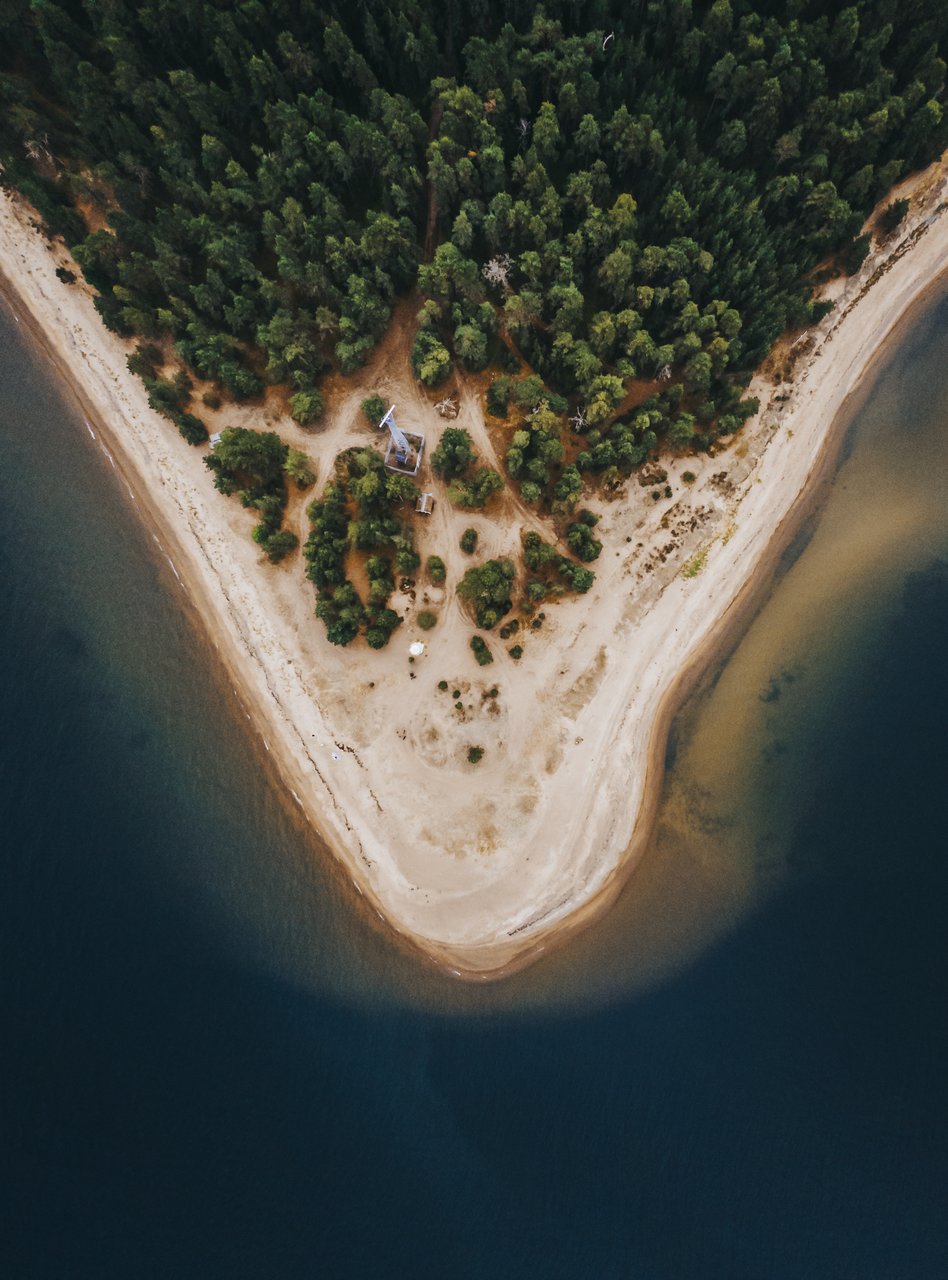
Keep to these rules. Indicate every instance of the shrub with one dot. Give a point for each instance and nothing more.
(406, 560)
(516, 652)
(306, 407)
(374, 409)
(297, 466)
(436, 569)
(468, 541)
(211, 399)
(442, 685)
(498, 397)
(192, 428)
(481, 652)
(168, 396)
(341, 631)
(474, 754)
(145, 360)
(892, 216)
(426, 620)
(474, 492)
(689, 477)
(579, 537)
(430, 359)
(855, 254)
(379, 630)
(279, 544)
(531, 390)
(488, 588)
(682, 430)
(255, 455)
(455, 452)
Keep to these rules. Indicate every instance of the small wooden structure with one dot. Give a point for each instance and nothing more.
(425, 504)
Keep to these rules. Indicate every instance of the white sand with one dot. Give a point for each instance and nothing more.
(481, 865)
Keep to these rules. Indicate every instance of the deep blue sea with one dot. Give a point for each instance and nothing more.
(214, 1066)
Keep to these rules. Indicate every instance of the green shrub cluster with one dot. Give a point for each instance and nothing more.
(167, 396)
(552, 572)
(362, 486)
(579, 537)
(481, 651)
(252, 464)
(488, 588)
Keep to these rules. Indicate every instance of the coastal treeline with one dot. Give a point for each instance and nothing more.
(625, 202)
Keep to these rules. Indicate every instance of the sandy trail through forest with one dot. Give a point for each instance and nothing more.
(482, 865)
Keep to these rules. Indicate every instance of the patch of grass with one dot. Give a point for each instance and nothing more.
(695, 564)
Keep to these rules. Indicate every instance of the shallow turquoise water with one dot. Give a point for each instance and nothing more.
(215, 1067)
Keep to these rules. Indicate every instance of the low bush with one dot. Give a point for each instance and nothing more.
(488, 588)
(374, 409)
(192, 428)
(306, 407)
(481, 652)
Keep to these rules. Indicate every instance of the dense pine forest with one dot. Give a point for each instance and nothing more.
(591, 193)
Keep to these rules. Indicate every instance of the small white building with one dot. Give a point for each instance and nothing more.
(425, 504)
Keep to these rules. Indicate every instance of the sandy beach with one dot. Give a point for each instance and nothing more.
(483, 866)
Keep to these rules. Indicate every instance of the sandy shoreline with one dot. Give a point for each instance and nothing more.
(482, 868)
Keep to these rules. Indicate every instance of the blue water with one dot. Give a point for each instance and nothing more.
(212, 1066)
